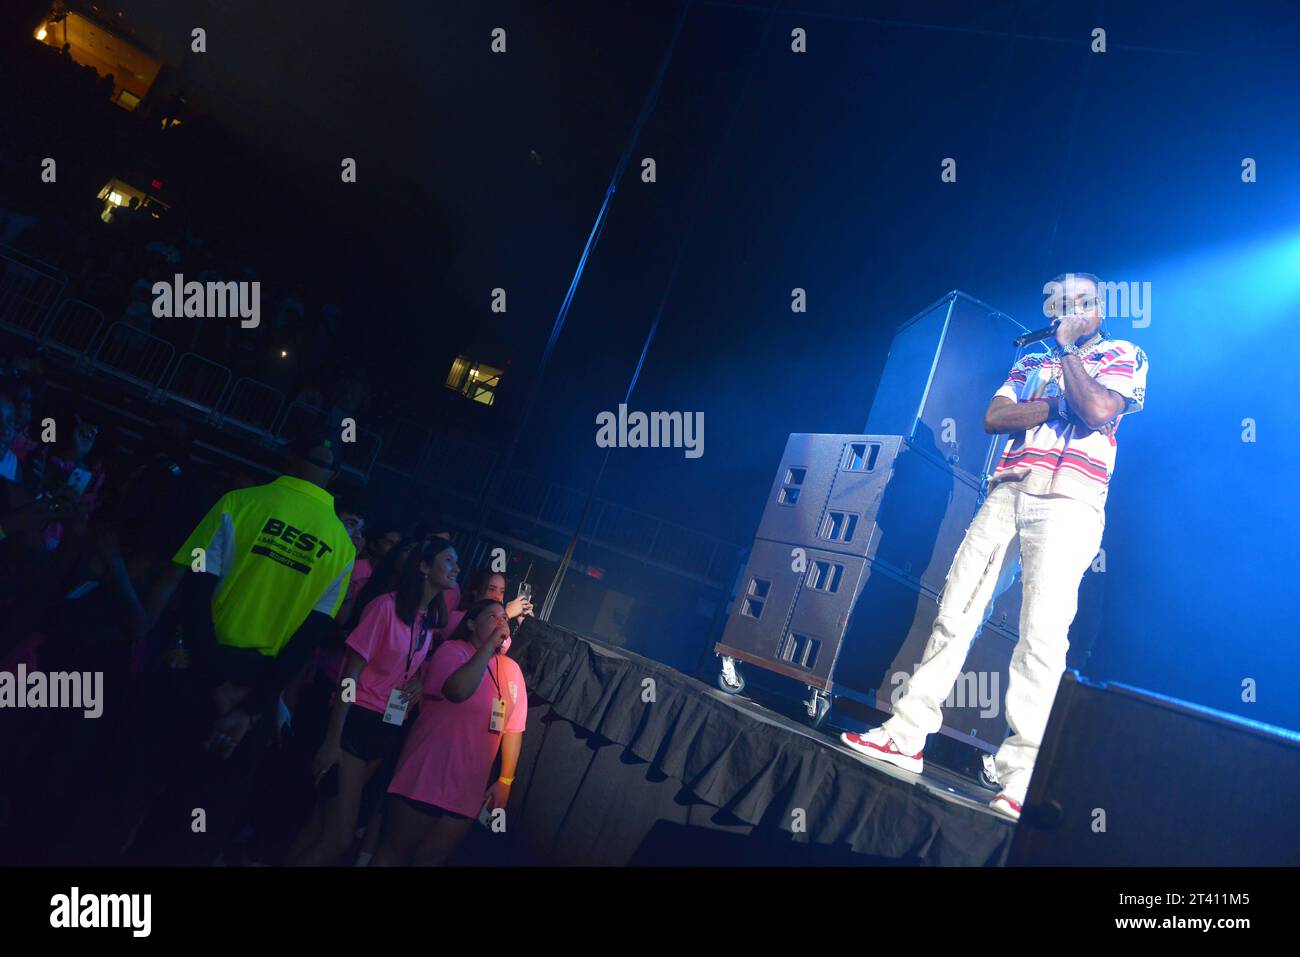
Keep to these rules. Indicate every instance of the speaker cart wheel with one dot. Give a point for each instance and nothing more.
(988, 772)
(729, 679)
(817, 707)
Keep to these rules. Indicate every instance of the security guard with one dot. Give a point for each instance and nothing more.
(261, 579)
(272, 564)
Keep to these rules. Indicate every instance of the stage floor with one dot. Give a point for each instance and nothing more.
(940, 782)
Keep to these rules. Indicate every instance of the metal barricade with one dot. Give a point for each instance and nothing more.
(623, 528)
(253, 406)
(525, 495)
(74, 327)
(29, 288)
(32, 305)
(197, 382)
(618, 527)
(301, 419)
(686, 548)
(561, 506)
(458, 466)
(134, 355)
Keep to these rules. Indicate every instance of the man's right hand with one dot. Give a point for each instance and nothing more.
(1070, 329)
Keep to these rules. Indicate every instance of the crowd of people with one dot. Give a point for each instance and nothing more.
(282, 682)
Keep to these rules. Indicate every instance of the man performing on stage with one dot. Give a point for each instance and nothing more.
(1047, 503)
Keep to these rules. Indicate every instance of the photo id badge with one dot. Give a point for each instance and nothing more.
(498, 714)
(395, 713)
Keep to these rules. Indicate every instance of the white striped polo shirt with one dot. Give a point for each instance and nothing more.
(1067, 458)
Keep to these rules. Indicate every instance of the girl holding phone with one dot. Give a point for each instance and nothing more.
(485, 583)
(475, 706)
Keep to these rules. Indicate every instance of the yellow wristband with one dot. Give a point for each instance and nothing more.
(506, 781)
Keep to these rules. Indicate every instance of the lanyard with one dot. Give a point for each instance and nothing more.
(415, 646)
(494, 678)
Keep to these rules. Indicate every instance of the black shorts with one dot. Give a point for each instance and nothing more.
(366, 736)
(430, 810)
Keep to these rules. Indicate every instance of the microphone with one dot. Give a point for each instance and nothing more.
(1038, 335)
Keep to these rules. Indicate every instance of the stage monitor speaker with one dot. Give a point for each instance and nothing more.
(851, 628)
(1131, 778)
(943, 367)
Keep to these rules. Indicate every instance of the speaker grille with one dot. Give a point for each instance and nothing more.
(800, 650)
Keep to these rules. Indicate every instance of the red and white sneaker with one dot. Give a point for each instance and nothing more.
(877, 745)
(1006, 806)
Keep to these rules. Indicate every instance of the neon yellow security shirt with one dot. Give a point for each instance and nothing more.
(280, 552)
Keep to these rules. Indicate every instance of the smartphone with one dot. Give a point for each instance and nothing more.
(526, 590)
(78, 480)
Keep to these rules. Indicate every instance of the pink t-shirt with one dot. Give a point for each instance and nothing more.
(361, 572)
(388, 645)
(454, 615)
(331, 660)
(449, 752)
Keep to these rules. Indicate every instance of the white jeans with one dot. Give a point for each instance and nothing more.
(1055, 539)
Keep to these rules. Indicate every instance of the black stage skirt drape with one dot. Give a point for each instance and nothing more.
(626, 761)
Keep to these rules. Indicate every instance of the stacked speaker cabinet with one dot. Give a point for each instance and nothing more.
(944, 365)
(859, 531)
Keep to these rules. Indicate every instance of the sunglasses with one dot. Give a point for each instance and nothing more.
(1072, 306)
